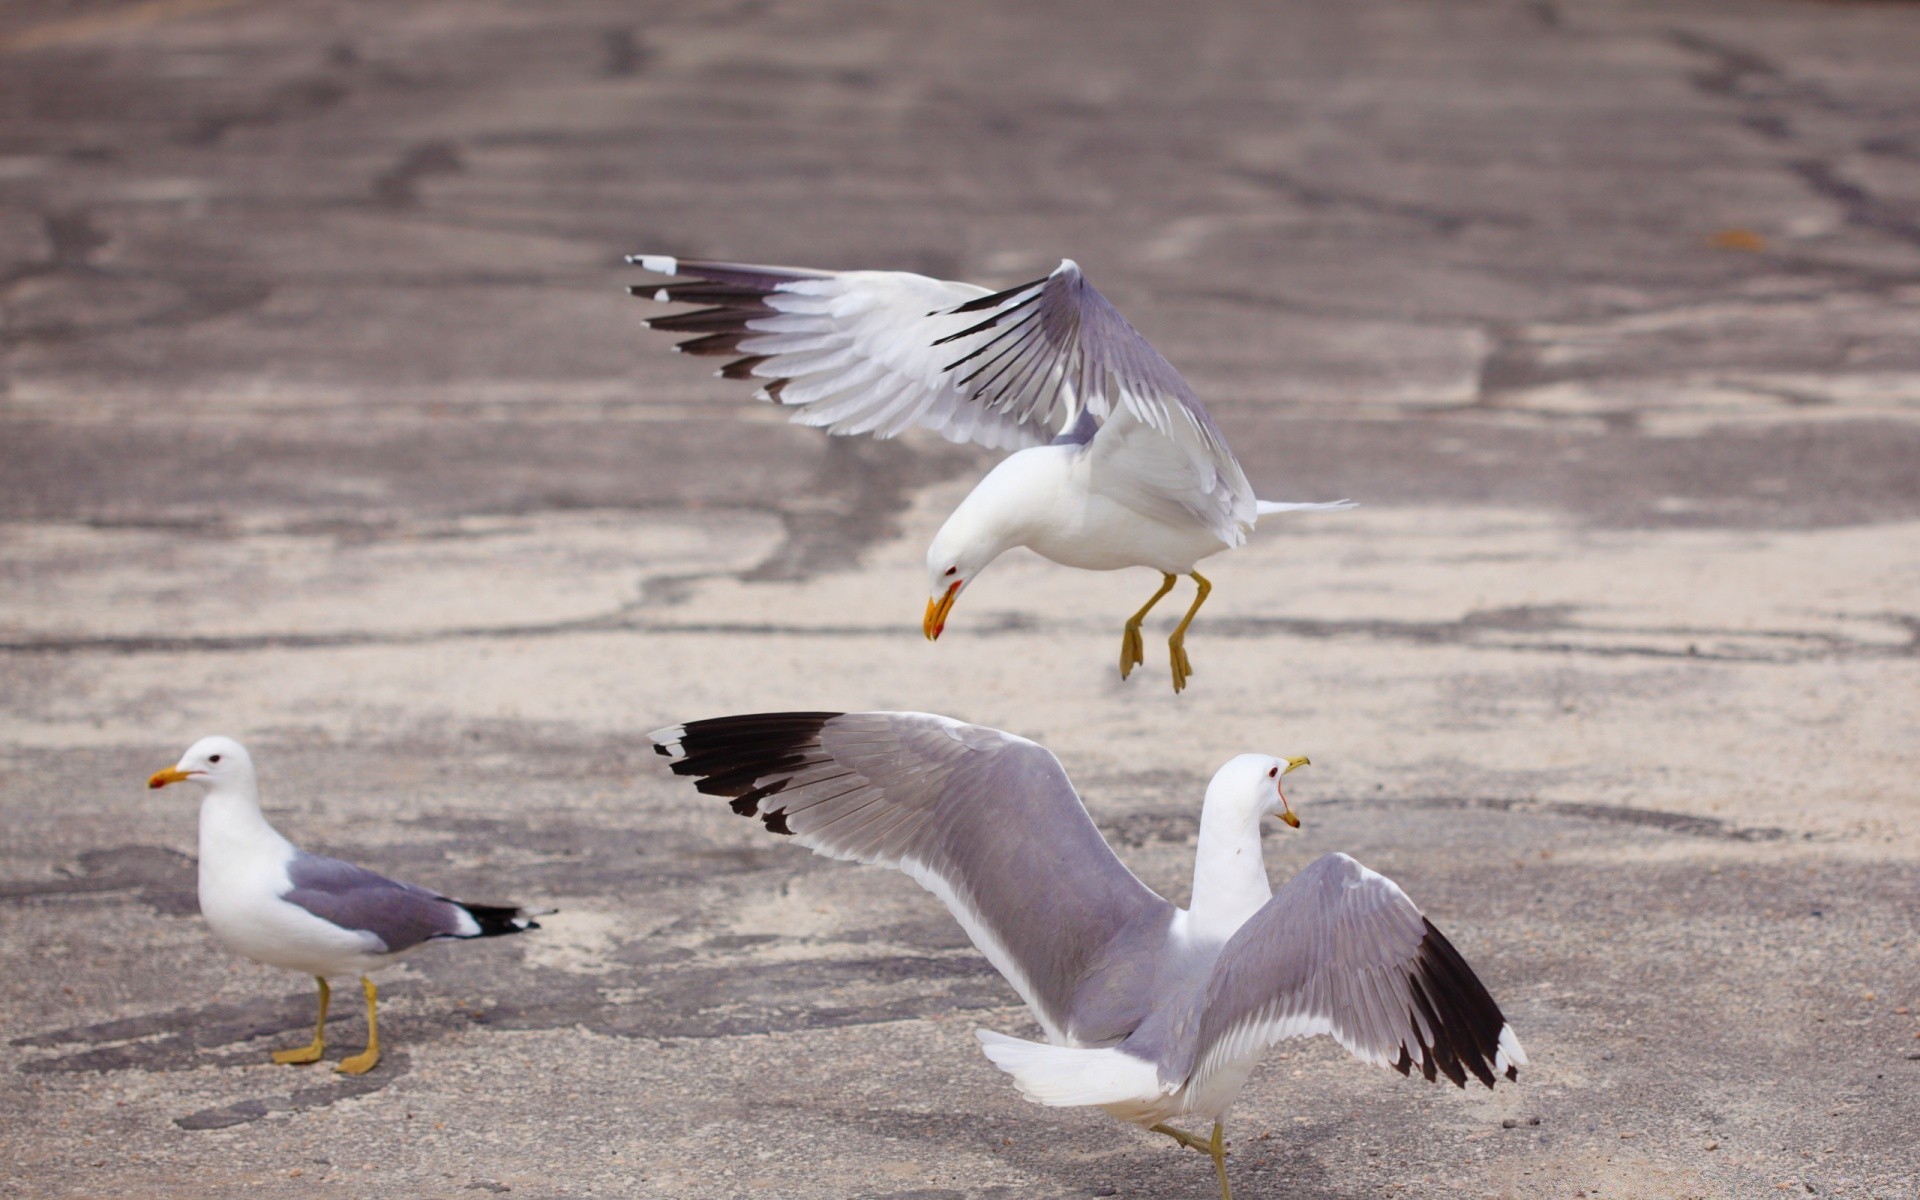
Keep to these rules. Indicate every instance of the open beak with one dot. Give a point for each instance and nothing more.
(1286, 810)
(160, 779)
(937, 610)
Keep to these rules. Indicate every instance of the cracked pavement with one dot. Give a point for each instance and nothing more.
(325, 423)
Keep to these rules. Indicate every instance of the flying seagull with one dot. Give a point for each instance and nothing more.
(266, 898)
(1155, 1013)
(1116, 462)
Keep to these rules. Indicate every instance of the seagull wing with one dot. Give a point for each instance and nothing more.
(1342, 950)
(984, 820)
(400, 915)
(858, 352)
(1157, 451)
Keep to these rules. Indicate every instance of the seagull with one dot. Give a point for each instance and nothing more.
(273, 902)
(1152, 1012)
(1115, 464)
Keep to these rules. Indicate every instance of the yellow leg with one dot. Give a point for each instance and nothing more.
(1183, 1137)
(1177, 644)
(311, 1052)
(1214, 1148)
(1218, 1148)
(363, 1062)
(1133, 651)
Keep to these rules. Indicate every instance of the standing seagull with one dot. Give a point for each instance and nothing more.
(1138, 474)
(1152, 1012)
(273, 902)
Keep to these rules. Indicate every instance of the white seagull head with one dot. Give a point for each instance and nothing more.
(994, 518)
(1250, 783)
(217, 763)
(961, 550)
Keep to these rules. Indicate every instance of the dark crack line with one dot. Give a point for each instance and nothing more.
(1311, 196)
(1766, 93)
(1861, 207)
(1681, 824)
(1472, 633)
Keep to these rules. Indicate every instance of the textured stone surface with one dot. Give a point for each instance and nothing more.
(324, 423)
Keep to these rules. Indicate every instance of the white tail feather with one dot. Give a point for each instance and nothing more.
(1509, 1053)
(1264, 507)
(1067, 1076)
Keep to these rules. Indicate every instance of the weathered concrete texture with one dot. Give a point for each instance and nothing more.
(324, 423)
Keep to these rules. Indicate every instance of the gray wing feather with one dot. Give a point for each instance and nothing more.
(1159, 450)
(401, 915)
(1342, 950)
(986, 820)
(851, 352)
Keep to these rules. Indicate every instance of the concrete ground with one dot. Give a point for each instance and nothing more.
(324, 423)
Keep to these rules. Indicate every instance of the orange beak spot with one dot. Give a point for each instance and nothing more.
(937, 610)
(160, 779)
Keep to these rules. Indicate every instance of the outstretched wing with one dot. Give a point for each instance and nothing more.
(1158, 451)
(984, 820)
(1341, 950)
(856, 352)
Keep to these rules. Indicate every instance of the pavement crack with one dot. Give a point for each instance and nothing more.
(162, 878)
(853, 502)
(1860, 206)
(290, 101)
(1479, 630)
(399, 185)
(1767, 95)
(1314, 196)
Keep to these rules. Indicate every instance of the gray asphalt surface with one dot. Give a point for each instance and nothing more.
(324, 423)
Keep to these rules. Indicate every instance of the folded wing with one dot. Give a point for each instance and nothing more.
(985, 820)
(398, 914)
(1341, 950)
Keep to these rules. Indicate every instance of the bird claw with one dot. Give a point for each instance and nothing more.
(1182, 668)
(299, 1055)
(1133, 651)
(359, 1064)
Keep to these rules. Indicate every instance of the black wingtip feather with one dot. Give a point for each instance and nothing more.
(1465, 1021)
(998, 298)
(498, 920)
(730, 756)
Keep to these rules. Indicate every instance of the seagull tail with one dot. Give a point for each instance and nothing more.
(1066, 1076)
(495, 920)
(1266, 507)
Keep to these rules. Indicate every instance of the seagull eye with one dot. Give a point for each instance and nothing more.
(1273, 772)
(951, 570)
(213, 758)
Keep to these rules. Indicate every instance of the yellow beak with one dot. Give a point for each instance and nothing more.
(1286, 810)
(160, 779)
(937, 610)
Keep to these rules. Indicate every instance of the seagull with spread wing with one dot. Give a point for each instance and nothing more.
(266, 898)
(1152, 1012)
(1116, 462)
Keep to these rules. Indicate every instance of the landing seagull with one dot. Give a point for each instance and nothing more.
(1121, 465)
(276, 904)
(1152, 1012)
